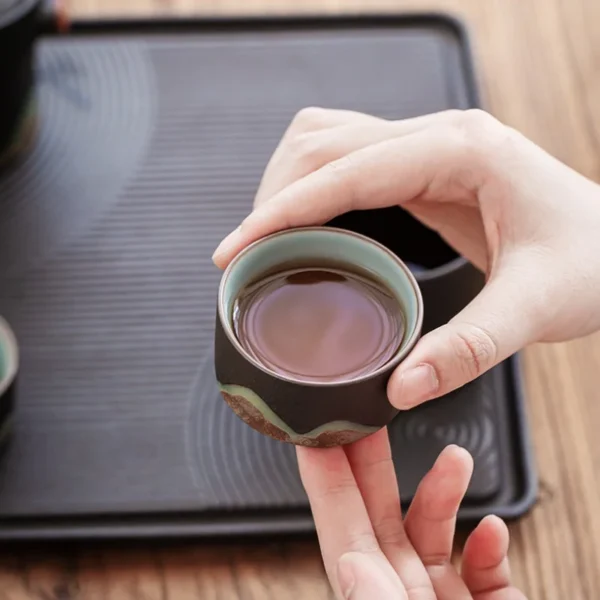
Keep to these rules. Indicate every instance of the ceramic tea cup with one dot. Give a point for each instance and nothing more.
(22, 22)
(293, 409)
(9, 365)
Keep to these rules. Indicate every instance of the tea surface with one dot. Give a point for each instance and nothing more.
(320, 325)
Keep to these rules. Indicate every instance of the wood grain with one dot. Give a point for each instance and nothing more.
(539, 62)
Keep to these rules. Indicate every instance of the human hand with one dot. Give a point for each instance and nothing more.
(527, 220)
(368, 550)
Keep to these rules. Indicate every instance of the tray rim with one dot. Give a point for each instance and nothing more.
(251, 522)
(240, 23)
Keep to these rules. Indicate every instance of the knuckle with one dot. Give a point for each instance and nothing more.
(309, 119)
(305, 149)
(341, 167)
(451, 115)
(420, 592)
(436, 560)
(340, 172)
(473, 120)
(337, 491)
(475, 350)
(390, 531)
(481, 132)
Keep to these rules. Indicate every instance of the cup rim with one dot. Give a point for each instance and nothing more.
(8, 339)
(393, 363)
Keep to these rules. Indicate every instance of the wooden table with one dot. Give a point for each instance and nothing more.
(540, 67)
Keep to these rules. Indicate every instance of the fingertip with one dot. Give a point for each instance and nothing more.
(494, 523)
(441, 491)
(494, 527)
(228, 248)
(488, 543)
(261, 222)
(485, 565)
(346, 572)
(409, 387)
(220, 261)
(456, 458)
(452, 471)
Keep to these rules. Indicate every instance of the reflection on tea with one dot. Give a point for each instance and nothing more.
(319, 324)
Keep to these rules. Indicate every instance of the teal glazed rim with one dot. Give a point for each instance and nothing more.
(9, 357)
(270, 251)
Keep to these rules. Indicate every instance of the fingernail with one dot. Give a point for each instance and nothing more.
(346, 577)
(226, 246)
(415, 386)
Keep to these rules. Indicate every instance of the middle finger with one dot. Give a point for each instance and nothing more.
(341, 519)
(371, 462)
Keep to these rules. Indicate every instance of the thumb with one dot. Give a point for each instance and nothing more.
(361, 577)
(500, 321)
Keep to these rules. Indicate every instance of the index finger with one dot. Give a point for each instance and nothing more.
(338, 509)
(373, 468)
(384, 174)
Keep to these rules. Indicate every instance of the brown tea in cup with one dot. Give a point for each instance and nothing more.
(311, 323)
(319, 324)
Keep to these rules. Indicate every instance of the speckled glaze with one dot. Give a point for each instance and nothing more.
(9, 366)
(299, 412)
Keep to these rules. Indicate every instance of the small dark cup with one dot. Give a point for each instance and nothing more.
(19, 27)
(305, 413)
(9, 365)
(21, 24)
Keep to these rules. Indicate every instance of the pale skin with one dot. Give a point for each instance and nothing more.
(530, 223)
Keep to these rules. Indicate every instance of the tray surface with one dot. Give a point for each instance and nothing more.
(150, 149)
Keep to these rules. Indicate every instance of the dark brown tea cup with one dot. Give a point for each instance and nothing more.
(21, 24)
(313, 411)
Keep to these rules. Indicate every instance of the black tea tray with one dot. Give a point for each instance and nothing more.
(152, 141)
